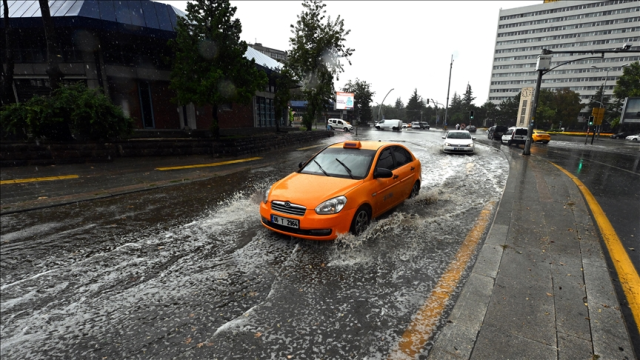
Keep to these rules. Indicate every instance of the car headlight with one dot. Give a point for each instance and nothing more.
(331, 206)
(266, 195)
(447, 144)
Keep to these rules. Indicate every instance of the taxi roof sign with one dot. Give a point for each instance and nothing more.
(352, 145)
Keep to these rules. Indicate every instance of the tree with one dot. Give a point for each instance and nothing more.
(284, 83)
(456, 110)
(508, 112)
(487, 112)
(399, 104)
(628, 83)
(362, 96)
(53, 49)
(209, 66)
(314, 59)
(7, 76)
(567, 106)
(414, 106)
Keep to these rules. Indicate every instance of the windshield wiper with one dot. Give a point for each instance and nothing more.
(321, 169)
(346, 167)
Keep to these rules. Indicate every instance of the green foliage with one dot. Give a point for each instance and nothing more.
(314, 59)
(307, 121)
(72, 110)
(209, 66)
(284, 83)
(414, 106)
(362, 96)
(399, 104)
(628, 84)
(508, 111)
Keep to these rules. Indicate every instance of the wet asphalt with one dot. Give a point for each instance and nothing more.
(187, 271)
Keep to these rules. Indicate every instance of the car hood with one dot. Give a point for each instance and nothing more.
(310, 190)
(458, 141)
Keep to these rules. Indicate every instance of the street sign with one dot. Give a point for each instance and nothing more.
(598, 115)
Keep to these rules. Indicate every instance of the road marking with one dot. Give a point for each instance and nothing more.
(208, 165)
(627, 273)
(426, 319)
(310, 147)
(50, 178)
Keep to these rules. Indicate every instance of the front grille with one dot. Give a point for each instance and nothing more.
(314, 232)
(286, 207)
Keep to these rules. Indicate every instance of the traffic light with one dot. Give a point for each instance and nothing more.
(471, 114)
(590, 120)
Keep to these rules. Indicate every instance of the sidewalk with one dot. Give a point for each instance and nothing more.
(540, 288)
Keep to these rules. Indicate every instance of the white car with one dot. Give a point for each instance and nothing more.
(635, 137)
(390, 124)
(458, 141)
(339, 124)
(515, 135)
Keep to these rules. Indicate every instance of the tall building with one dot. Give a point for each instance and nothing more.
(279, 55)
(564, 25)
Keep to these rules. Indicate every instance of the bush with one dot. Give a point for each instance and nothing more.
(71, 111)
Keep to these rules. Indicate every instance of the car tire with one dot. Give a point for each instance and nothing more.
(545, 142)
(415, 190)
(377, 127)
(634, 139)
(361, 220)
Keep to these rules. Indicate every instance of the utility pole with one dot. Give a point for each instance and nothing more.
(380, 108)
(446, 109)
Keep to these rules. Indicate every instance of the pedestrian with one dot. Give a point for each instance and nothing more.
(463, 126)
(457, 126)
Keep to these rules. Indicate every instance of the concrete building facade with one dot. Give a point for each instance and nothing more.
(564, 25)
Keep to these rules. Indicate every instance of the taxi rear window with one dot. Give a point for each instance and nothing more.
(350, 163)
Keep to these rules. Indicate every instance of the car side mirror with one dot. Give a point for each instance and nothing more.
(444, 137)
(473, 138)
(300, 165)
(382, 173)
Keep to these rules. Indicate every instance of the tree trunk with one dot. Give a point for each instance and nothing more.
(7, 75)
(215, 126)
(53, 51)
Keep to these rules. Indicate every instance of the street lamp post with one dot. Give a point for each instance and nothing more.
(380, 108)
(446, 109)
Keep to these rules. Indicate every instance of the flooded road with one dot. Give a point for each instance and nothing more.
(188, 271)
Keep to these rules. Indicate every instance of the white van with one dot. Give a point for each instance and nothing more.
(339, 124)
(390, 124)
(514, 135)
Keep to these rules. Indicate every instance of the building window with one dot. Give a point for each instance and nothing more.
(146, 104)
(265, 111)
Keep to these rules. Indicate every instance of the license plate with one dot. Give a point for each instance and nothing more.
(458, 148)
(285, 221)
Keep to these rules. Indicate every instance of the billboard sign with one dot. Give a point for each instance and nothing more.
(631, 111)
(344, 101)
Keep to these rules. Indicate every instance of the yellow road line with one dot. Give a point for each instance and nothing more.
(50, 178)
(207, 165)
(310, 147)
(426, 319)
(627, 273)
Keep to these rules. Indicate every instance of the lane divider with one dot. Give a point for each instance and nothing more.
(426, 319)
(627, 273)
(310, 147)
(207, 165)
(50, 178)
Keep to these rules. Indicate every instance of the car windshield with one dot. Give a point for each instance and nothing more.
(459, 135)
(339, 162)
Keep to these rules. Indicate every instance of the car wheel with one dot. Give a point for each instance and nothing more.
(545, 142)
(377, 127)
(634, 139)
(415, 190)
(361, 220)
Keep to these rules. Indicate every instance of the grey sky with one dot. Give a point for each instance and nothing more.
(398, 44)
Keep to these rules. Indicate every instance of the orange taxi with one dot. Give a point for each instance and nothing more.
(540, 136)
(341, 189)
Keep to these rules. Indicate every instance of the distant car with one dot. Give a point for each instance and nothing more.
(339, 124)
(405, 125)
(633, 137)
(420, 125)
(622, 135)
(471, 128)
(331, 192)
(514, 135)
(390, 124)
(496, 131)
(458, 141)
(541, 136)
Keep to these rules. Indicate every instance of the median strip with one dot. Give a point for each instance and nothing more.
(627, 273)
(49, 178)
(207, 165)
(425, 321)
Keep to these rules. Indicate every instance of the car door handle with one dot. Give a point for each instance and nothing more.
(412, 168)
(395, 176)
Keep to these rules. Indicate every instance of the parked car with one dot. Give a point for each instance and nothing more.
(390, 124)
(541, 136)
(339, 124)
(471, 128)
(496, 131)
(458, 141)
(633, 137)
(405, 125)
(622, 135)
(514, 135)
(420, 125)
(331, 192)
